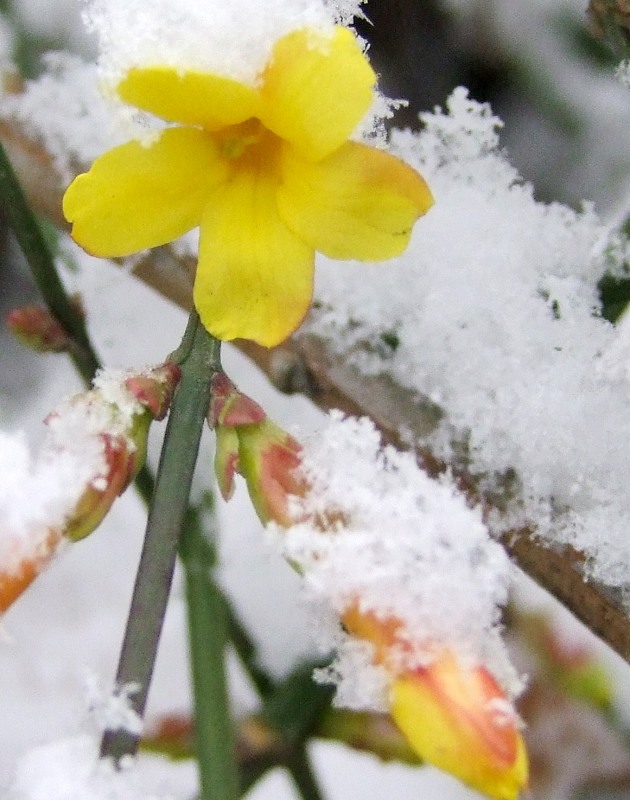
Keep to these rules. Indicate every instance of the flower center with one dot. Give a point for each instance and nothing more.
(235, 140)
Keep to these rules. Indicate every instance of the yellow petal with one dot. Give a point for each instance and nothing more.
(315, 90)
(357, 203)
(453, 718)
(255, 277)
(136, 197)
(191, 98)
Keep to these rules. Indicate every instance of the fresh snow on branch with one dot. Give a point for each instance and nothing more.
(375, 532)
(493, 315)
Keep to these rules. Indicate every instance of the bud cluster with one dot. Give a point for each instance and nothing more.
(408, 569)
(95, 445)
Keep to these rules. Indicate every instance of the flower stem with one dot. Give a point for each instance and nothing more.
(246, 651)
(42, 265)
(301, 772)
(199, 361)
(208, 633)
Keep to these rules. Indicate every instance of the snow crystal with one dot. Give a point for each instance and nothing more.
(111, 710)
(406, 547)
(492, 313)
(232, 39)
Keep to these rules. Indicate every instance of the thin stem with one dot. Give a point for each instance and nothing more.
(246, 651)
(208, 634)
(303, 776)
(42, 265)
(166, 518)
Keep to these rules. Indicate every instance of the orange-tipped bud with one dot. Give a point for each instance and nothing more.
(252, 445)
(103, 433)
(229, 407)
(268, 461)
(15, 580)
(98, 497)
(36, 328)
(155, 388)
(456, 717)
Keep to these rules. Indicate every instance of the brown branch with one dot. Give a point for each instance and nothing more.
(307, 365)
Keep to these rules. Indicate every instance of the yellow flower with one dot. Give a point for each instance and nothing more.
(268, 173)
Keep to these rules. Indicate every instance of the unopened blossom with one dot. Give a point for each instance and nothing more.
(38, 329)
(100, 437)
(455, 715)
(268, 173)
(249, 443)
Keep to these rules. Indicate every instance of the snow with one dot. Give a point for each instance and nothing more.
(69, 769)
(494, 312)
(65, 110)
(404, 546)
(230, 39)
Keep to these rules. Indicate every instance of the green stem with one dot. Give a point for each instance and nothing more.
(42, 265)
(165, 523)
(305, 780)
(246, 651)
(208, 633)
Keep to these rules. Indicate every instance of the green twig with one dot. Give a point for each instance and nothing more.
(303, 776)
(208, 633)
(41, 262)
(200, 360)
(246, 651)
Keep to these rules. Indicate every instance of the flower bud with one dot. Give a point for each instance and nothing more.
(458, 718)
(154, 389)
(99, 495)
(268, 459)
(36, 328)
(15, 580)
(252, 445)
(455, 716)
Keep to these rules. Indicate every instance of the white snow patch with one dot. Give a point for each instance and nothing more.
(65, 110)
(405, 547)
(70, 770)
(493, 311)
(231, 39)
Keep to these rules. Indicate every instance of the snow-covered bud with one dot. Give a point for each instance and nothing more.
(36, 328)
(95, 445)
(25, 565)
(154, 389)
(122, 460)
(249, 443)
